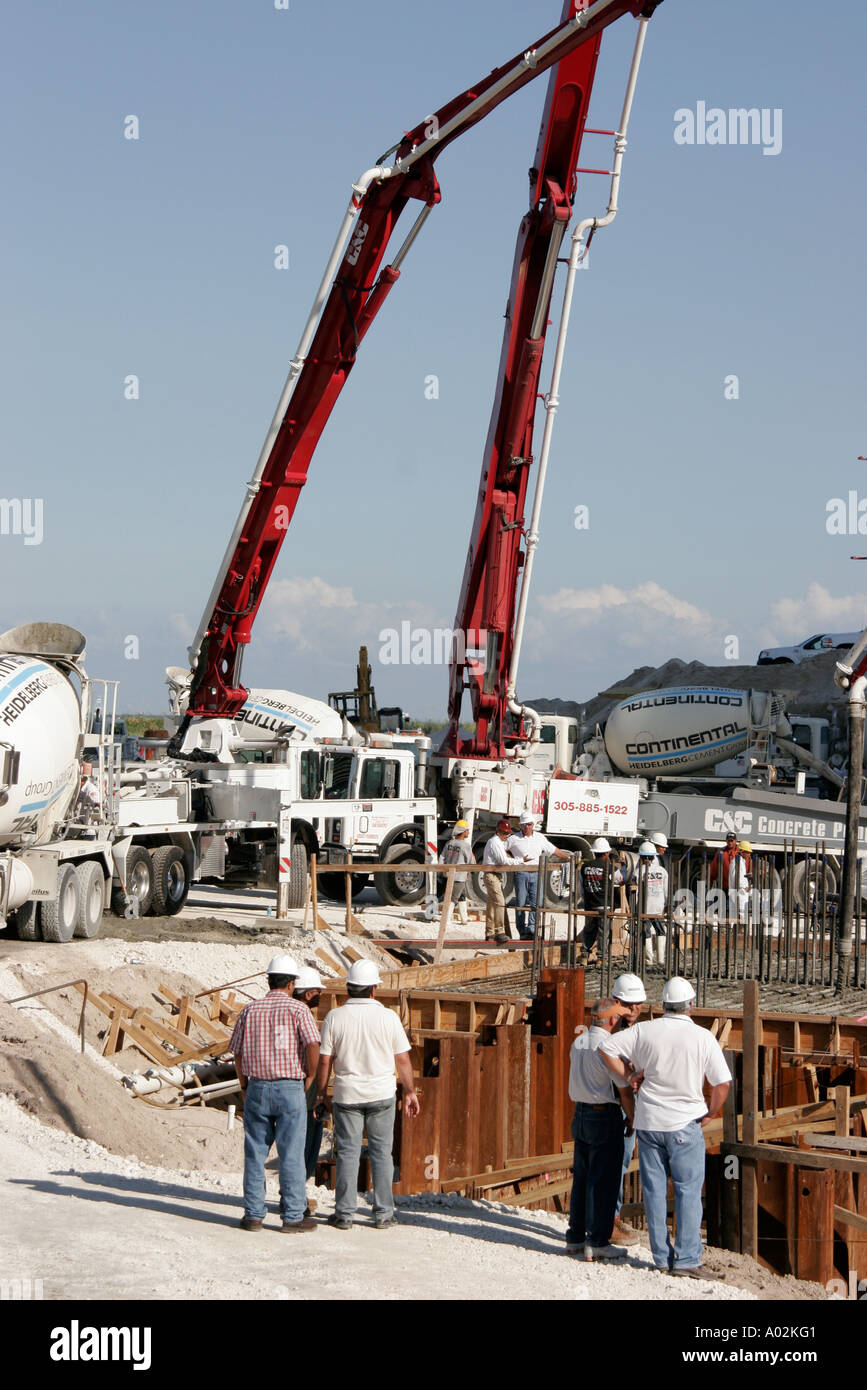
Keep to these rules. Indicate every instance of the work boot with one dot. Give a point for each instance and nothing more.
(249, 1223)
(603, 1252)
(697, 1272)
(341, 1223)
(298, 1227)
(463, 915)
(623, 1233)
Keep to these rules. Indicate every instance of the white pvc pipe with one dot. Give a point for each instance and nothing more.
(530, 60)
(552, 400)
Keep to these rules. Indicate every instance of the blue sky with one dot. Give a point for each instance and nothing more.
(155, 257)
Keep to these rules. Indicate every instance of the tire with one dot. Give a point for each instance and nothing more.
(171, 880)
(91, 899)
(26, 921)
(59, 916)
(297, 874)
(805, 884)
(476, 882)
(406, 886)
(333, 886)
(139, 882)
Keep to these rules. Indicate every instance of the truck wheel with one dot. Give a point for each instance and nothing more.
(297, 875)
(407, 885)
(27, 921)
(476, 883)
(331, 886)
(59, 915)
(171, 880)
(91, 899)
(139, 883)
(805, 883)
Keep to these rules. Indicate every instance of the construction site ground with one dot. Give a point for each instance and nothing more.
(106, 1196)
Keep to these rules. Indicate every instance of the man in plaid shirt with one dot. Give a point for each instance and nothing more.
(276, 1047)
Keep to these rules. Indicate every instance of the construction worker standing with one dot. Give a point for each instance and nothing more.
(721, 863)
(363, 1042)
(597, 1129)
(597, 894)
(308, 990)
(458, 851)
(671, 1058)
(276, 1047)
(497, 853)
(650, 880)
(629, 993)
(528, 848)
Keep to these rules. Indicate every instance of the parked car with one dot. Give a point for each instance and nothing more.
(821, 642)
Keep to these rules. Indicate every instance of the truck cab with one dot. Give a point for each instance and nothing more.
(558, 744)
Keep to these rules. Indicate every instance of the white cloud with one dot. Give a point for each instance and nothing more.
(590, 605)
(797, 618)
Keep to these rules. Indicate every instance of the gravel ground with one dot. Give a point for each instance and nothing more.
(92, 1225)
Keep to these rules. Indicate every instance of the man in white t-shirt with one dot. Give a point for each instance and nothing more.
(496, 853)
(649, 882)
(364, 1042)
(671, 1058)
(528, 848)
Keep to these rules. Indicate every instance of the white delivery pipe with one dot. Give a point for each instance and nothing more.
(552, 400)
(380, 171)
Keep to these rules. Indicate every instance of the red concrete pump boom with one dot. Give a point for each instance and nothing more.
(352, 292)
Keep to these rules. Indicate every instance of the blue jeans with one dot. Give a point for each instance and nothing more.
(377, 1116)
(597, 1163)
(274, 1112)
(677, 1154)
(525, 892)
(628, 1151)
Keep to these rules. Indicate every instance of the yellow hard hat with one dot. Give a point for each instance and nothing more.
(745, 846)
(462, 825)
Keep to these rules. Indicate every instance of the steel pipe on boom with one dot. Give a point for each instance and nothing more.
(586, 228)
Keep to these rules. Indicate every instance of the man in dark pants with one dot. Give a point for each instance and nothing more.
(308, 990)
(276, 1048)
(597, 1128)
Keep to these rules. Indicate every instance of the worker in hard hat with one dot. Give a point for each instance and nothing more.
(527, 848)
(629, 994)
(496, 854)
(363, 1042)
(308, 990)
(458, 851)
(720, 865)
(650, 883)
(659, 840)
(601, 879)
(740, 882)
(597, 1129)
(673, 1058)
(276, 1048)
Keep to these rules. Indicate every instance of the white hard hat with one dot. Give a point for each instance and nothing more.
(283, 965)
(363, 972)
(658, 838)
(629, 989)
(647, 849)
(601, 846)
(677, 991)
(527, 818)
(307, 978)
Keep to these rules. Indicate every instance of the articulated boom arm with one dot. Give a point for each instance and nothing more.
(486, 607)
(352, 293)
